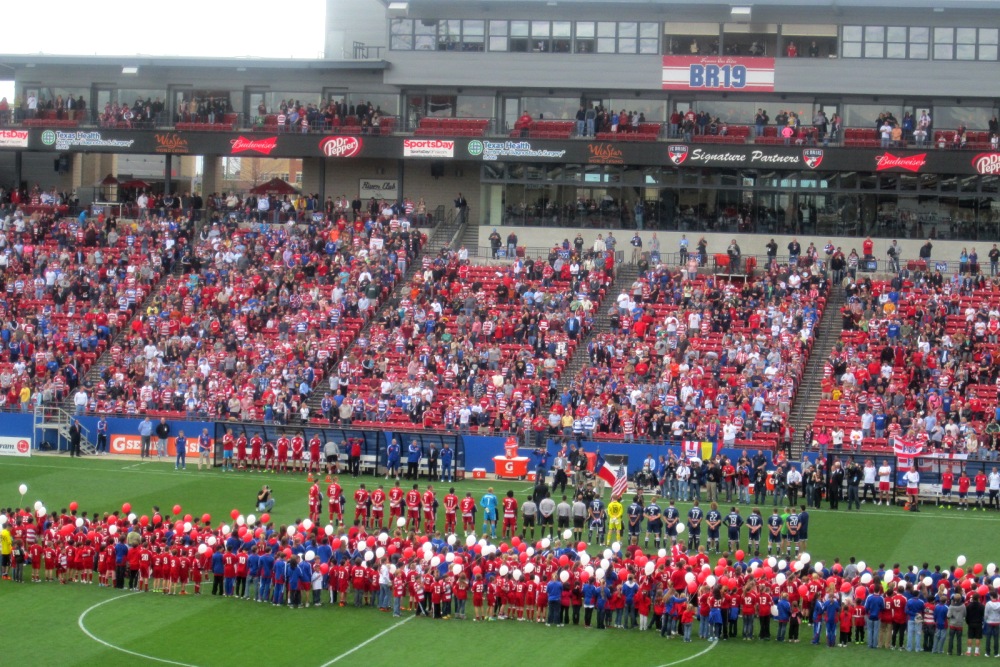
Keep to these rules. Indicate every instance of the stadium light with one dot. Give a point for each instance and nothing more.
(740, 13)
(398, 9)
(130, 70)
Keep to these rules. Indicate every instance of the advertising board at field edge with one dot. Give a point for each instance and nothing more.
(14, 446)
(132, 445)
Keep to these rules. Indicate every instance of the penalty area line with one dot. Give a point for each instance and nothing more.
(367, 641)
(97, 639)
(697, 655)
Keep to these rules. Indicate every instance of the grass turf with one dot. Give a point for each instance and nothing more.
(204, 632)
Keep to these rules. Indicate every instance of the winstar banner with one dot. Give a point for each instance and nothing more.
(718, 73)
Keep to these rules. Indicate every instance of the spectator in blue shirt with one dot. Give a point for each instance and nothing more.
(553, 592)
(874, 606)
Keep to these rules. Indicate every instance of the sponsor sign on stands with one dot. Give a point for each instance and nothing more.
(680, 154)
(13, 138)
(812, 157)
(263, 146)
(64, 141)
(428, 148)
(494, 150)
(718, 73)
(132, 445)
(15, 446)
(170, 142)
(987, 163)
(888, 161)
(605, 154)
(380, 189)
(340, 146)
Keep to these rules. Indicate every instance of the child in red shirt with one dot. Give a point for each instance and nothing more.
(642, 606)
(687, 618)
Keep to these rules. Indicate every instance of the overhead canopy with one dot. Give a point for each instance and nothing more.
(109, 180)
(275, 186)
(135, 183)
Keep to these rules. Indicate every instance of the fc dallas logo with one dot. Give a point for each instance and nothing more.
(907, 163)
(677, 153)
(23, 446)
(340, 146)
(812, 157)
(262, 146)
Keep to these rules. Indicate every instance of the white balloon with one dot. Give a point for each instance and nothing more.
(705, 567)
(529, 568)
(862, 566)
(584, 558)
(392, 569)
(589, 570)
(470, 541)
(288, 531)
(456, 569)
(608, 554)
(3, 519)
(564, 576)
(504, 570)
(226, 529)
(662, 553)
(599, 573)
(38, 505)
(866, 578)
(960, 561)
(798, 566)
(310, 555)
(383, 538)
(379, 552)
(131, 517)
(710, 580)
(780, 578)
(449, 557)
(187, 526)
(772, 561)
(616, 546)
(306, 523)
(889, 576)
(483, 542)
(805, 558)
(680, 528)
(251, 519)
(400, 522)
(23, 489)
(605, 563)
(112, 530)
(202, 548)
(914, 569)
(928, 581)
(689, 578)
(369, 556)
(818, 568)
(774, 610)
(517, 575)
(996, 583)
(241, 521)
(79, 523)
(427, 546)
(568, 534)
(650, 567)
(212, 541)
(546, 542)
(991, 569)
(782, 564)
(328, 530)
(42, 511)
(451, 540)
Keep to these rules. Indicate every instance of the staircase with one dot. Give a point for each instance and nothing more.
(826, 335)
(49, 419)
(625, 275)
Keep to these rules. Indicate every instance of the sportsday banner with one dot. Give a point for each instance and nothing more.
(132, 444)
(439, 148)
(718, 73)
(15, 446)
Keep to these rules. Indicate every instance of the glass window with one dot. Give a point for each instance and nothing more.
(894, 34)
(874, 50)
(561, 29)
(944, 52)
(965, 36)
(851, 50)
(944, 35)
(919, 51)
(472, 35)
(498, 35)
(973, 118)
(874, 33)
(425, 35)
(988, 35)
(519, 36)
(585, 33)
(894, 50)
(401, 34)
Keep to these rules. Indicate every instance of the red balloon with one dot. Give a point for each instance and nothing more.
(966, 584)
(581, 546)
(242, 531)
(67, 529)
(423, 539)
(458, 560)
(622, 574)
(178, 526)
(983, 590)
(758, 573)
(803, 591)
(719, 570)
(73, 506)
(370, 541)
(335, 544)
(126, 507)
(977, 568)
(860, 592)
(693, 561)
(477, 548)
(504, 548)
(177, 509)
(523, 556)
(391, 549)
(188, 518)
(288, 552)
(206, 518)
(564, 560)
(584, 577)
(768, 572)
(265, 517)
(845, 587)
(324, 568)
(702, 576)
(692, 588)
(477, 571)
(959, 573)
(144, 521)
(258, 533)
(408, 553)
(640, 560)
(739, 555)
(723, 562)
(157, 519)
(515, 541)
(235, 513)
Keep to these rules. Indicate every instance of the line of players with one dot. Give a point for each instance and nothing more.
(286, 454)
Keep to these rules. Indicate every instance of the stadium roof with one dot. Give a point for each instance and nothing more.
(17, 61)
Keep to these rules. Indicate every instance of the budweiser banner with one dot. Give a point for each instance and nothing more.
(887, 161)
(263, 146)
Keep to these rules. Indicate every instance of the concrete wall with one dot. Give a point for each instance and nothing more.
(750, 244)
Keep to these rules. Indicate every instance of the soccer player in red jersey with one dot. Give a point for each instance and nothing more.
(269, 452)
(395, 503)
(947, 482)
(361, 505)
(963, 490)
(283, 444)
(315, 501)
(468, 508)
(377, 517)
(228, 444)
(980, 491)
(450, 511)
(315, 448)
(298, 449)
(241, 452)
(333, 491)
(509, 504)
(413, 508)
(256, 444)
(430, 510)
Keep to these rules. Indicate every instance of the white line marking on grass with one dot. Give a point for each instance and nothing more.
(368, 641)
(119, 648)
(711, 645)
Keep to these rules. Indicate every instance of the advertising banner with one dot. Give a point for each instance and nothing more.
(378, 188)
(718, 73)
(439, 148)
(13, 138)
(14, 446)
(132, 444)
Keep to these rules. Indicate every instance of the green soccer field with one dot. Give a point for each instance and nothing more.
(88, 625)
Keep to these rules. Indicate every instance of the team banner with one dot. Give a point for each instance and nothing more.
(15, 446)
(694, 449)
(718, 73)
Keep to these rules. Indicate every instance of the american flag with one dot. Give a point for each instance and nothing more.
(621, 483)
